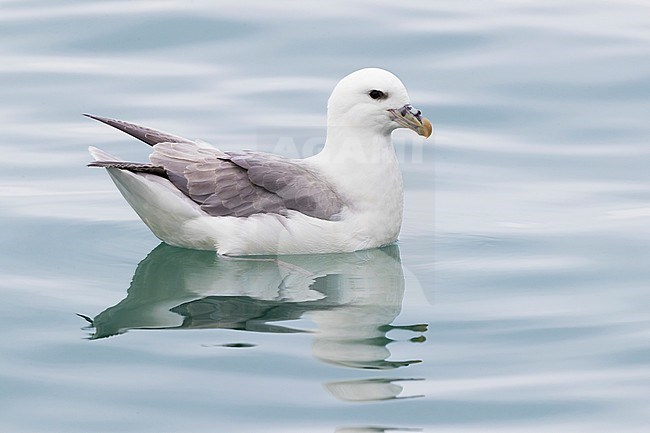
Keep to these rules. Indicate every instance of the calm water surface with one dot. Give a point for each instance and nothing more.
(516, 300)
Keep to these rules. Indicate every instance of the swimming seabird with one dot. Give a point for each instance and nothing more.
(346, 198)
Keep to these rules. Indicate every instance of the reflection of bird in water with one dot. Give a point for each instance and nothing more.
(352, 298)
(375, 429)
(369, 389)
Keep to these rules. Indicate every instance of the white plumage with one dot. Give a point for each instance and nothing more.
(346, 198)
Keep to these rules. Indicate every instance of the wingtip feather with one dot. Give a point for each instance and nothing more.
(94, 117)
(142, 133)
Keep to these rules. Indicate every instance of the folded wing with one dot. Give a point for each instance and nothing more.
(238, 184)
(245, 183)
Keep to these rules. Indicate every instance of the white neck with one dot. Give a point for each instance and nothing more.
(363, 164)
(364, 169)
(353, 146)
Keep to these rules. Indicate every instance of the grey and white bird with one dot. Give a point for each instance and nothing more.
(346, 198)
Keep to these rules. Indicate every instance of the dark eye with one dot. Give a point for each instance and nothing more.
(376, 94)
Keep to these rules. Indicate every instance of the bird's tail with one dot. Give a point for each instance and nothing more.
(100, 155)
(157, 202)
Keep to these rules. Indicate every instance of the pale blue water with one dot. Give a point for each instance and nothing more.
(516, 300)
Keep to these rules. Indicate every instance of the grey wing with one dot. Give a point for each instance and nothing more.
(203, 174)
(243, 184)
(220, 187)
(299, 187)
